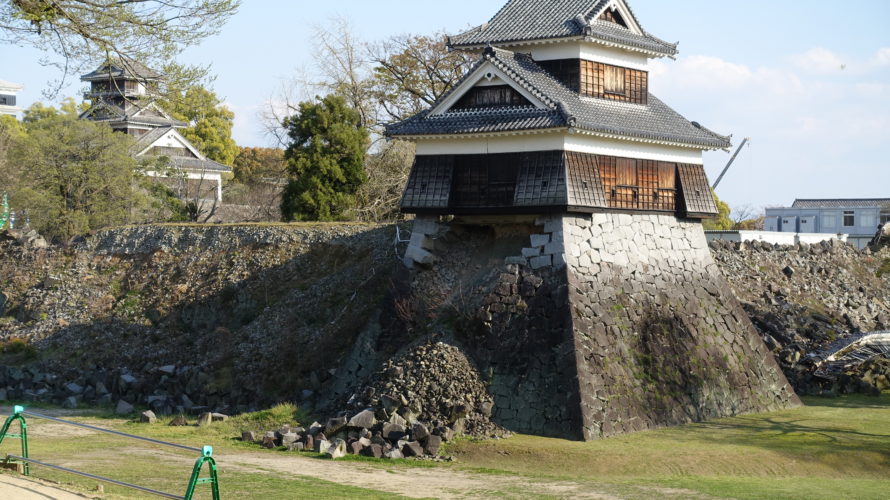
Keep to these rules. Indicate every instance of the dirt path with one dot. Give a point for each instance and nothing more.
(12, 487)
(411, 482)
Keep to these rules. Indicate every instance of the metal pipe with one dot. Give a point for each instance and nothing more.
(116, 433)
(97, 478)
(731, 160)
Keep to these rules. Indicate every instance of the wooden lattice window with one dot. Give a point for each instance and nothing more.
(613, 80)
(492, 97)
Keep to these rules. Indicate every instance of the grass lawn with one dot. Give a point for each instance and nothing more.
(831, 448)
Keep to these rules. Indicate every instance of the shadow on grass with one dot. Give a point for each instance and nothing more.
(812, 435)
(849, 401)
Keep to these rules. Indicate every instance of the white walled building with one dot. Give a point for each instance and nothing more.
(858, 218)
(8, 96)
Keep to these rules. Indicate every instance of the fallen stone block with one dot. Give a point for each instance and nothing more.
(205, 418)
(363, 420)
(393, 432)
(419, 432)
(179, 421)
(335, 425)
(148, 417)
(374, 451)
(412, 449)
(123, 408)
(321, 445)
(432, 445)
(336, 449)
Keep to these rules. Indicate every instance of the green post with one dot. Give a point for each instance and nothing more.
(23, 433)
(4, 215)
(206, 457)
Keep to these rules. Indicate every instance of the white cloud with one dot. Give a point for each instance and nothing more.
(802, 118)
(882, 58)
(819, 60)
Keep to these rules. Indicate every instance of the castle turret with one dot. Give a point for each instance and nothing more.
(601, 310)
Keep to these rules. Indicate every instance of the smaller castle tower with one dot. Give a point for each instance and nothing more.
(122, 95)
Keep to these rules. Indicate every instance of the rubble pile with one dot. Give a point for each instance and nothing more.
(803, 297)
(419, 400)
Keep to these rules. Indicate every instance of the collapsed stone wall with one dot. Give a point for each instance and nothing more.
(805, 298)
(578, 326)
(602, 324)
(238, 316)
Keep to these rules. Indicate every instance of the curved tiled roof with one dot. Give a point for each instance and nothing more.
(529, 20)
(122, 68)
(654, 121)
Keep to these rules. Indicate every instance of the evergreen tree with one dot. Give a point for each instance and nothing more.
(325, 159)
(722, 222)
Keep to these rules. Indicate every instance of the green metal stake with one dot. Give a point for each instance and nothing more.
(4, 211)
(23, 433)
(206, 457)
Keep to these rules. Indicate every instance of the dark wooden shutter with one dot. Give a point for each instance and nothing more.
(697, 199)
(429, 185)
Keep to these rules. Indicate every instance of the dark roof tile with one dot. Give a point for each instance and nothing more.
(565, 108)
(526, 20)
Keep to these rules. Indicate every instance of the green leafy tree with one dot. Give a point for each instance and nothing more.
(254, 165)
(412, 72)
(325, 160)
(210, 123)
(723, 221)
(73, 175)
(80, 32)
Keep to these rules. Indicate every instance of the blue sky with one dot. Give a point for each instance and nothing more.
(809, 82)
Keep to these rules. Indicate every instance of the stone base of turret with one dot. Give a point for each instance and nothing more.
(589, 326)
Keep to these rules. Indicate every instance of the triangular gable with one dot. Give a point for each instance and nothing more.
(614, 11)
(103, 111)
(152, 107)
(171, 139)
(485, 75)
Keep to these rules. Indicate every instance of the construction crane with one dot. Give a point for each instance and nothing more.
(731, 160)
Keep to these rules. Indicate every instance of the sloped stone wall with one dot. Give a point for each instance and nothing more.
(593, 326)
(659, 338)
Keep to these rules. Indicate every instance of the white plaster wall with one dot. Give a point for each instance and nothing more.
(625, 149)
(559, 141)
(773, 237)
(589, 51)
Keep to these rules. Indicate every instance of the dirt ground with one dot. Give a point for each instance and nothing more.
(431, 482)
(17, 488)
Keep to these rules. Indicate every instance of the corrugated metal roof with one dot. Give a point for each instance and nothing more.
(525, 20)
(653, 121)
(842, 203)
